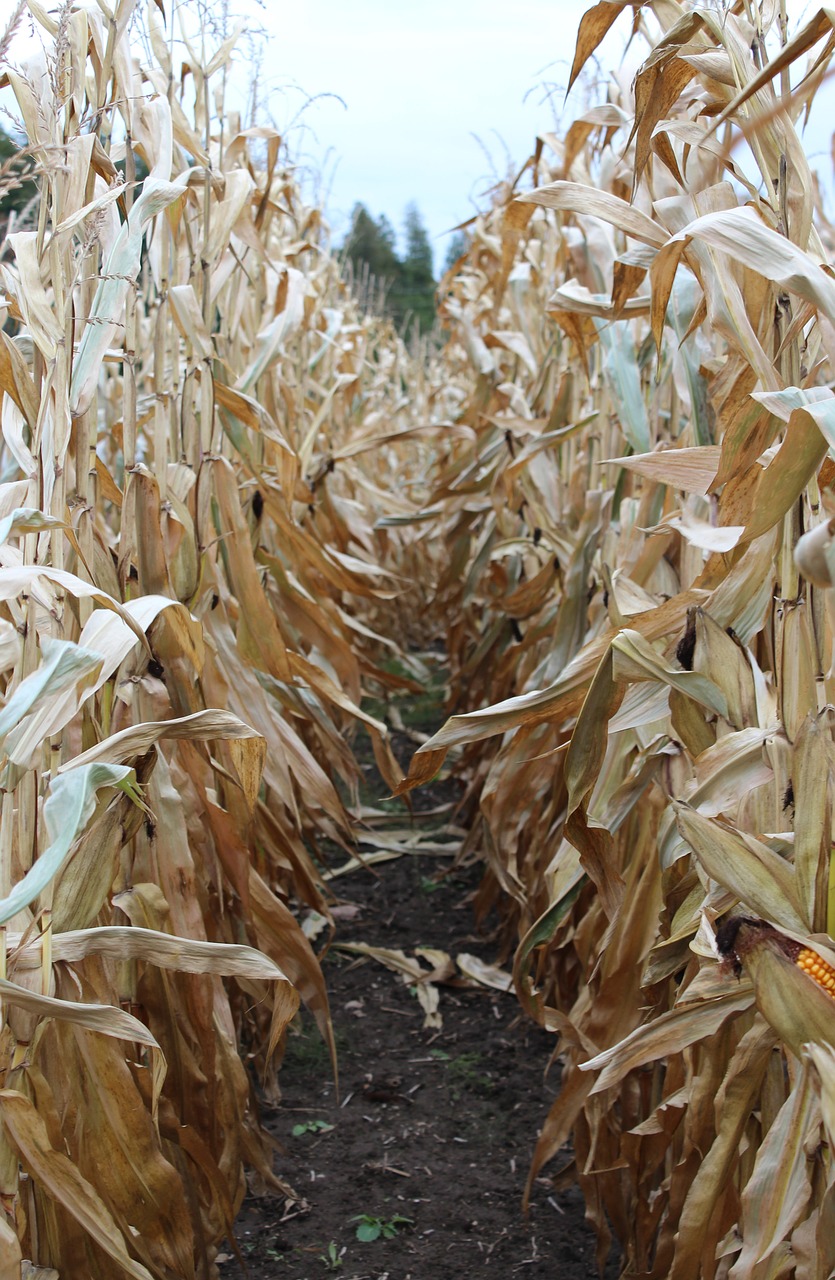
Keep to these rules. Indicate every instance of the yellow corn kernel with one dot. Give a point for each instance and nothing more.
(824, 975)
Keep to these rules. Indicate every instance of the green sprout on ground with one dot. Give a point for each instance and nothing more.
(310, 1126)
(463, 1072)
(370, 1228)
(332, 1257)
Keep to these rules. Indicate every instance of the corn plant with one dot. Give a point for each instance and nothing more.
(182, 659)
(641, 672)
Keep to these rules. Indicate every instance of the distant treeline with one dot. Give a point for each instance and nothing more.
(406, 283)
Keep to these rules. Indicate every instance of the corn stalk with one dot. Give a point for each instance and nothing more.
(641, 674)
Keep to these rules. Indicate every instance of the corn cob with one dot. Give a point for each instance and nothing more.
(740, 935)
(817, 968)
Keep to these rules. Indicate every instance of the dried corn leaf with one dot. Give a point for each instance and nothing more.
(62, 1180)
(745, 866)
(690, 470)
(68, 807)
(137, 739)
(779, 1187)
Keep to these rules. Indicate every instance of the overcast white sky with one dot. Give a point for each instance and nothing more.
(429, 100)
(439, 95)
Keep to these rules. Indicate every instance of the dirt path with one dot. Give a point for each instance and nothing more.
(429, 1141)
(435, 1126)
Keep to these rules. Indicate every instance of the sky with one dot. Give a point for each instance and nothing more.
(427, 100)
(433, 100)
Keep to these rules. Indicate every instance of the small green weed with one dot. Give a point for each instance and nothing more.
(463, 1072)
(370, 1228)
(464, 1067)
(332, 1257)
(306, 1052)
(310, 1126)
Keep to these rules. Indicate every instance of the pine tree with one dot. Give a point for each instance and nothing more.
(371, 244)
(409, 281)
(414, 292)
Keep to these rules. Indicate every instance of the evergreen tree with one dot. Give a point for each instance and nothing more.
(418, 260)
(371, 244)
(417, 292)
(409, 281)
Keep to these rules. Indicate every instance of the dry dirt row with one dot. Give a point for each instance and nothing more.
(427, 1142)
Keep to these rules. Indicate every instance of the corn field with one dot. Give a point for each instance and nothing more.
(230, 494)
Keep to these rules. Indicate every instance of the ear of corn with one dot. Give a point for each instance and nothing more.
(781, 968)
(817, 969)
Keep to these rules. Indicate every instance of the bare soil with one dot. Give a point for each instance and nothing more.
(431, 1132)
(433, 1126)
